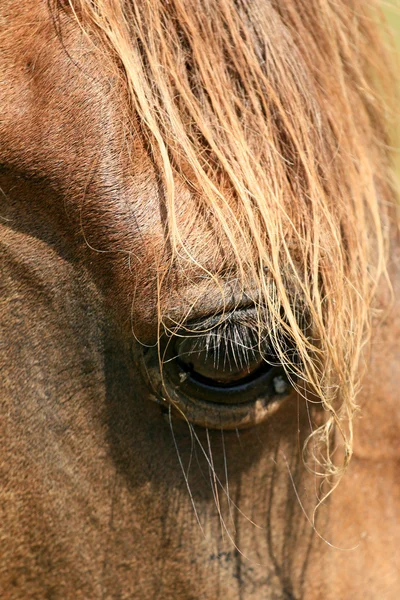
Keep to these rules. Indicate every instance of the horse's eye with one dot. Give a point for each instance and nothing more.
(218, 364)
(224, 369)
(223, 373)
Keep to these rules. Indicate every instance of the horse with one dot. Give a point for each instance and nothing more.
(199, 324)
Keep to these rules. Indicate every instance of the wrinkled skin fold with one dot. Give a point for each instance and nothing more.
(105, 493)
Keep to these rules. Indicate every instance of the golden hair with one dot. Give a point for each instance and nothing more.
(275, 113)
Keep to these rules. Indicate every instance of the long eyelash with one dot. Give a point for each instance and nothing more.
(235, 340)
(231, 343)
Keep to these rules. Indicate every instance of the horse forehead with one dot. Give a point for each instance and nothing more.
(61, 112)
(63, 105)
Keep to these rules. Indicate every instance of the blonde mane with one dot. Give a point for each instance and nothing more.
(275, 114)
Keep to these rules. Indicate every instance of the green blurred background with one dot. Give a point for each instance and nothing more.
(392, 10)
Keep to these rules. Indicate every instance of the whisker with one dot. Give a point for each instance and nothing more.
(183, 471)
(213, 481)
(237, 508)
(227, 481)
(220, 484)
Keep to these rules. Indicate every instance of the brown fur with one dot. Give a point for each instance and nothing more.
(103, 239)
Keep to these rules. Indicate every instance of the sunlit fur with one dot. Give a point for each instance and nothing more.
(275, 113)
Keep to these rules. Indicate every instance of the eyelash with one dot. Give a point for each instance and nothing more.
(230, 341)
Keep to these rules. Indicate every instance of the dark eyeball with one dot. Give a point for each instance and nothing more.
(223, 363)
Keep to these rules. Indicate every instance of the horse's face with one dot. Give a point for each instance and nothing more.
(64, 128)
(118, 495)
